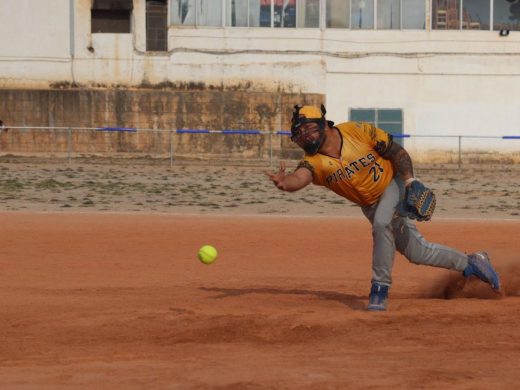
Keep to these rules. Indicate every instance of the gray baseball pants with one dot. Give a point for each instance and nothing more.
(391, 231)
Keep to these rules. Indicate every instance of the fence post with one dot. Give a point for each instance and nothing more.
(171, 148)
(270, 149)
(460, 151)
(69, 144)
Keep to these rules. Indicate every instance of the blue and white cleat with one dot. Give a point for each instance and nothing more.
(378, 297)
(480, 266)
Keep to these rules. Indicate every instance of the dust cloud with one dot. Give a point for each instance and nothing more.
(454, 285)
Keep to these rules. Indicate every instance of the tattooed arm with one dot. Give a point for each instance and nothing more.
(401, 161)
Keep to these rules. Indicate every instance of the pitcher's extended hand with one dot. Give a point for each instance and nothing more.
(277, 177)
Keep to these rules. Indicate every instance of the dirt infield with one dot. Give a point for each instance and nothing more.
(119, 301)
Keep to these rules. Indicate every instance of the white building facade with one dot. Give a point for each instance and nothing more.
(418, 67)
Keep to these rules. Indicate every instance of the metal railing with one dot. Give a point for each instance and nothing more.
(459, 140)
(189, 144)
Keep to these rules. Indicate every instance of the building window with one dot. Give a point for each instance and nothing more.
(284, 12)
(362, 14)
(389, 14)
(265, 13)
(240, 14)
(278, 13)
(111, 16)
(475, 14)
(390, 120)
(248, 13)
(413, 14)
(447, 14)
(338, 13)
(196, 13)
(156, 25)
(273, 13)
(353, 14)
(506, 15)
(465, 14)
(308, 13)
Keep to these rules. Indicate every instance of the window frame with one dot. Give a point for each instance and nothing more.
(376, 122)
(107, 7)
(196, 23)
(147, 29)
(225, 21)
(461, 17)
(375, 16)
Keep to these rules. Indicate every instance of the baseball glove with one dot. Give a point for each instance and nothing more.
(418, 202)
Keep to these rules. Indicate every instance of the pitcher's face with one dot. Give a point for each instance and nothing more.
(306, 134)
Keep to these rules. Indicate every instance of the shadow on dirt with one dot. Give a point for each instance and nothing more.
(355, 302)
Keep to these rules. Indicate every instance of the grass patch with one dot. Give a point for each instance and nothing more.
(11, 185)
(51, 184)
(87, 202)
(255, 201)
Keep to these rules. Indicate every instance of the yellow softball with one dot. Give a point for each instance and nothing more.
(207, 254)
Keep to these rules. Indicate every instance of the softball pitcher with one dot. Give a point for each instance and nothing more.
(361, 163)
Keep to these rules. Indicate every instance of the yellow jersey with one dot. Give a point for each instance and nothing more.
(360, 174)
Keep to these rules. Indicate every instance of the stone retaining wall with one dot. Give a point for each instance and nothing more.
(150, 109)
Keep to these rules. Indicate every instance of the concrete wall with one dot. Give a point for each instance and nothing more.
(148, 110)
(34, 42)
(446, 82)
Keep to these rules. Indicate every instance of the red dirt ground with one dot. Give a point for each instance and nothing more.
(119, 301)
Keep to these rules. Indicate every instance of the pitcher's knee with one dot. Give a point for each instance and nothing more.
(419, 254)
(414, 260)
(381, 227)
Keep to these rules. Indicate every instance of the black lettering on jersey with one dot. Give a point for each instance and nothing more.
(363, 162)
(346, 173)
(354, 163)
(332, 177)
(329, 180)
(376, 171)
(340, 174)
(349, 171)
